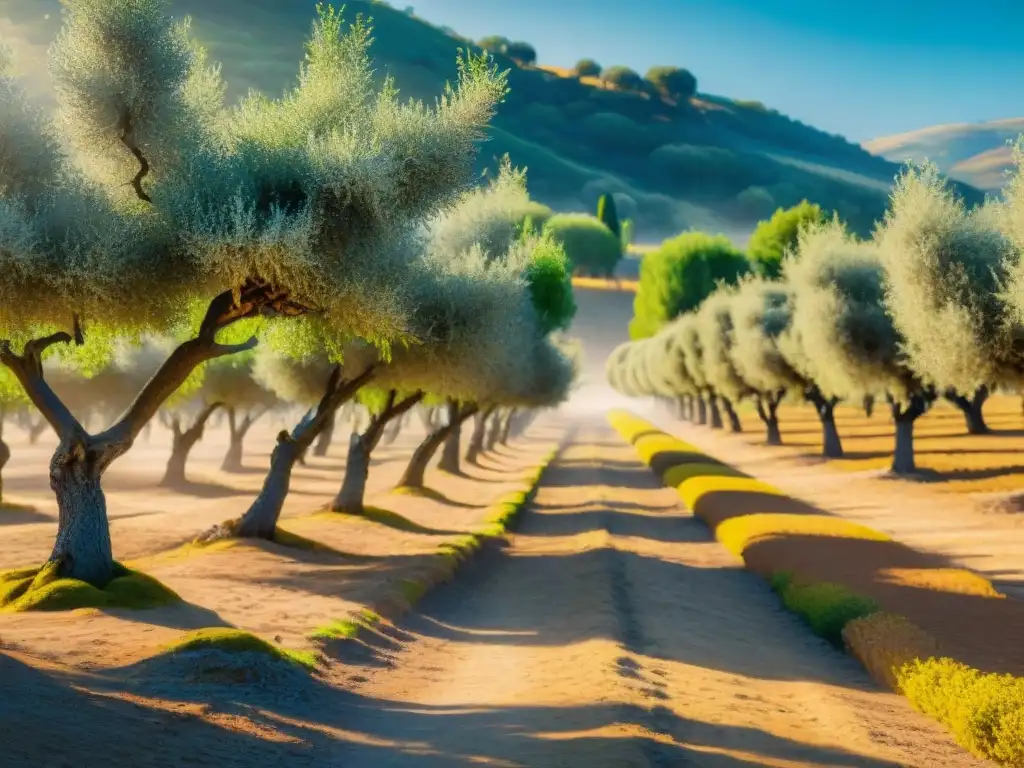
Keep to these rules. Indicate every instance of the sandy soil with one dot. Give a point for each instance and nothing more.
(277, 592)
(965, 528)
(614, 632)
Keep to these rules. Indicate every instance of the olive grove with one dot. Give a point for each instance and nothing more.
(147, 196)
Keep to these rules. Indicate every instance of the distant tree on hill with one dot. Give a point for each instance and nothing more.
(774, 237)
(591, 247)
(587, 68)
(494, 43)
(673, 82)
(608, 214)
(678, 276)
(623, 78)
(522, 53)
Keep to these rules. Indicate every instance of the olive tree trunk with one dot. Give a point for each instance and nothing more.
(506, 426)
(324, 439)
(5, 451)
(701, 417)
(82, 549)
(767, 411)
(351, 496)
(415, 471)
(451, 453)
(714, 412)
(237, 430)
(260, 520)
(735, 425)
(35, 429)
(904, 416)
(493, 430)
(476, 441)
(831, 445)
(182, 443)
(972, 409)
(869, 405)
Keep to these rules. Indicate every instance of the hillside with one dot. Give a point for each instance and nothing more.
(976, 153)
(712, 163)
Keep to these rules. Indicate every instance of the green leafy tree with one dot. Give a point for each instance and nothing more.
(945, 269)
(774, 238)
(622, 78)
(678, 276)
(591, 247)
(165, 197)
(673, 82)
(521, 53)
(608, 214)
(587, 68)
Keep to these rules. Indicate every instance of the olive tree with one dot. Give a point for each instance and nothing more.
(146, 192)
(841, 316)
(12, 400)
(689, 340)
(715, 331)
(945, 269)
(231, 382)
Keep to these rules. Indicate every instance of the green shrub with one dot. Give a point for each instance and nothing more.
(827, 608)
(623, 77)
(587, 68)
(590, 246)
(673, 82)
(678, 276)
(774, 237)
(520, 52)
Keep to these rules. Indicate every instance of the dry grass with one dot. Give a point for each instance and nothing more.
(955, 461)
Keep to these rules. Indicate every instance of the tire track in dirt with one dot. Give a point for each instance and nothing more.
(615, 632)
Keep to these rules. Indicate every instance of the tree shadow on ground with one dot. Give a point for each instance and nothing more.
(204, 489)
(116, 731)
(584, 475)
(18, 514)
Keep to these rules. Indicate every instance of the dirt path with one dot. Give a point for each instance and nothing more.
(616, 633)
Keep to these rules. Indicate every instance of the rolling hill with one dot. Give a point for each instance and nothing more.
(711, 163)
(976, 153)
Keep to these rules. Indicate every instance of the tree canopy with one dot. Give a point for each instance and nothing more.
(673, 82)
(678, 276)
(775, 237)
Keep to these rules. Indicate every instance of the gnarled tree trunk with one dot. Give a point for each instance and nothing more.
(5, 451)
(868, 404)
(260, 520)
(237, 430)
(323, 441)
(476, 440)
(182, 442)
(971, 408)
(767, 411)
(735, 425)
(451, 453)
(904, 417)
(415, 471)
(350, 498)
(35, 429)
(507, 426)
(493, 431)
(82, 548)
(831, 445)
(701, 417)
(714, 413)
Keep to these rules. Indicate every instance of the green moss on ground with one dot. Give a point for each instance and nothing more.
(42, 589)
(343, 629)
(238, 641)
(826, 607)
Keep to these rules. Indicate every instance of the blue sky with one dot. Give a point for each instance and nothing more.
(862, 68)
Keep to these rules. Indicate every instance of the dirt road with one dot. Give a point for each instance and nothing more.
(615, 632)
(612, 633)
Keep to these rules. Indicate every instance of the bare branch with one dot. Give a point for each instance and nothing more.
(127, 138)
(28, 369)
